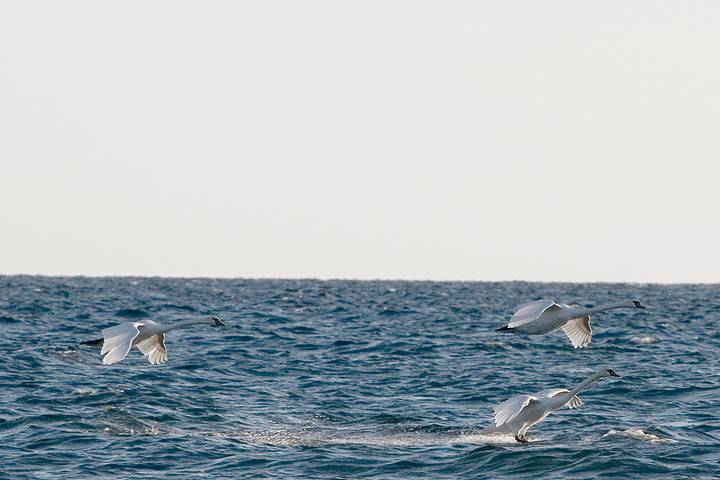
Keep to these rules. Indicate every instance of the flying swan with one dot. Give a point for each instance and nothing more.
(543, 316)
(521, 412)
(147, 335)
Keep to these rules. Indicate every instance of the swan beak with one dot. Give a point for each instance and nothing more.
(218, 322)
(614, 374)
(639, 305)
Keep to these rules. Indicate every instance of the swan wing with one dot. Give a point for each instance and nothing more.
(154, 349)
(509, 409)
(551, 392)
(117, 341)
(579, 331)
(528, 312)
(574, 402)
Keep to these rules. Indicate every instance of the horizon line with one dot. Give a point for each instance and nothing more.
(350, 279)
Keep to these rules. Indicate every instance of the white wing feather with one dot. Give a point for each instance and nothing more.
(574, 402)
(579, 331)
(117, 341)
(154, 349)
(551, 392)
(509, 409)
(528, 312)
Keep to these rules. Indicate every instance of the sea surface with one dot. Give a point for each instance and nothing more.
(351, 379)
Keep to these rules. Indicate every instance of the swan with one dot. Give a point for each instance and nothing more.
(147, 335)
(543, 316)
(521, 412)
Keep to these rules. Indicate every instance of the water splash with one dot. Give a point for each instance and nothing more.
(409, 439)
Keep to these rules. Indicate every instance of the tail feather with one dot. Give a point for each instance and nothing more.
(98, 342)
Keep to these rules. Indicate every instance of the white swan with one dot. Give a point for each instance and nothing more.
(543, 316)
(148, 336)
(521, 412)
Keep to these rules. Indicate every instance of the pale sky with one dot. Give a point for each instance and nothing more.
(518, 140)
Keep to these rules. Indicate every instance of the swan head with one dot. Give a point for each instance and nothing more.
(215, 322)
(637, 304)
(604, 373)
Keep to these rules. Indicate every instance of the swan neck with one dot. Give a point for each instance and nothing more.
(582, 385)
(184, 323)
(581, 312)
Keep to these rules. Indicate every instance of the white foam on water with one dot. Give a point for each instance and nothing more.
(638, 434)
(409, 439)
(84, 391)
(121, 430)
(299, 438)
(644, 340)
(129, 426)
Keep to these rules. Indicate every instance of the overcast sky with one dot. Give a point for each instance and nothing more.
(525, 140)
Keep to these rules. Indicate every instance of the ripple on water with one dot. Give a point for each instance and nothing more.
(8, 319)
(132, 313)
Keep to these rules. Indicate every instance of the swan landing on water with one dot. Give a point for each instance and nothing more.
(544, 316)
(521, 412)
(148, 336)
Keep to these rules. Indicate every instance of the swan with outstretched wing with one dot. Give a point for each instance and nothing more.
(544, 316)
(147, 335)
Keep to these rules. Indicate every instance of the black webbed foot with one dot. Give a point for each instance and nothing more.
(521, 439)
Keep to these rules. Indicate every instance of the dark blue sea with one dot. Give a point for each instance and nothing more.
(351, 379)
